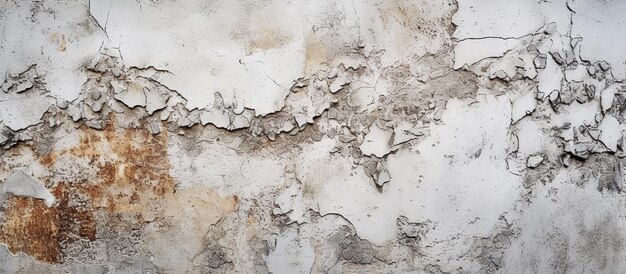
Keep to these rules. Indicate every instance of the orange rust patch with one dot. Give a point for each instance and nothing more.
(40, 231)
(125, 177)
(132, 178)
(32, 228)
(47, 160)
(132, 166)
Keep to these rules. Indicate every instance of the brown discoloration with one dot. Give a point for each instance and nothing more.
(58, 39)
(132, 179)
(132, 168)
(74, 218)
(32, 228)
(230, 204)
(42, 232)
(131, 184)
(264, 37)
(188, 215)
(47, 160)
(316, 53)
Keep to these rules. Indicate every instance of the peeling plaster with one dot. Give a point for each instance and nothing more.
(312, 137)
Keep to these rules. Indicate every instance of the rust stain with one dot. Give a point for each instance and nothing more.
(130, 161)
(132, 182)
(132, 176)
(32, 228)
(47, 160)
(40, 231)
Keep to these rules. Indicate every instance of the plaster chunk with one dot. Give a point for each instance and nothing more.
(154, 127)
(97, 106)
(611, 132)
(118, 86)
(534, 161)
(338, 84)
(132, 96)
(540, 61)
(468, 52)
(290, 203)
(183, 121)
(383, 175)
(301, 119)
(20, 183)
(155, 101)
(550, 78)
(405, 132)
(75, 111)
(164, 115)
(607, 95)
(241, 121)
(23, 86)
(523, 105)
(62, 104)
(376, 142)
(16, 117)
(218, 118)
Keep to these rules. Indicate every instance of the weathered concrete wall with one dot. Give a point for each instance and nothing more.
(260, 136)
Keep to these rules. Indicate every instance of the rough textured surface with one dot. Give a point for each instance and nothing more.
(258, 136)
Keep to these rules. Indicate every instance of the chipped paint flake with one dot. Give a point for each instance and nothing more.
(21, 184)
